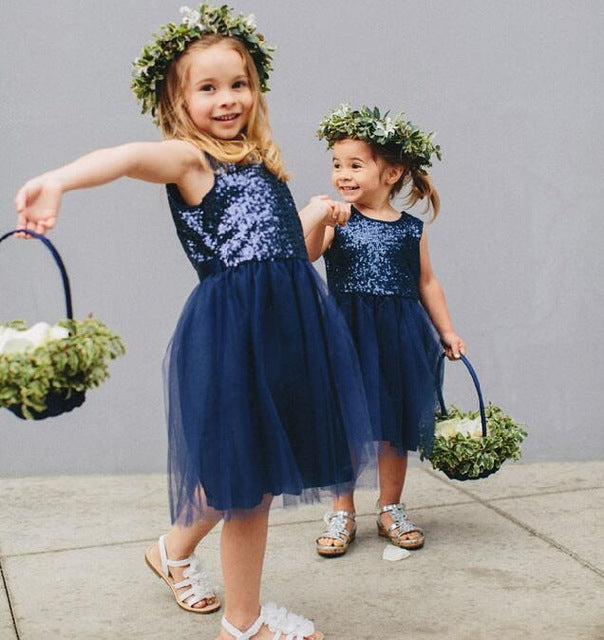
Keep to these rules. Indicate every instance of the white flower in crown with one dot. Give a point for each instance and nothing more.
(190, 16)
(342, 110)
(384, 129)
(251, 21)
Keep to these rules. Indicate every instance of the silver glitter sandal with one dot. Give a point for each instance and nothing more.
(336, 530)
(401, 525)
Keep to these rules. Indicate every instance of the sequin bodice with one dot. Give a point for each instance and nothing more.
(375, 257)
(249, 214)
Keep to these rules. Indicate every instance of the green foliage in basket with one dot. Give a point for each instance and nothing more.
(470, 457)
(75, 363)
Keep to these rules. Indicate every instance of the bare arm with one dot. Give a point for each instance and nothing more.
(318, 219)
(39, 199)
(433, 299)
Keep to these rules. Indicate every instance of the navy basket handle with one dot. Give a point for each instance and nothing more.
(439, 390)
(57, 259)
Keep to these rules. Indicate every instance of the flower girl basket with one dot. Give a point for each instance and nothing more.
(473, 444)
(45, 371)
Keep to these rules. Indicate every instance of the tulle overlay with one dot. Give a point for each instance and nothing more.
(263, 393)
(398, 351)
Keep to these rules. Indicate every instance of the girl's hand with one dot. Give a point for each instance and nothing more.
(340, 213)
(453, 344)
(38, 202)
(334, 213)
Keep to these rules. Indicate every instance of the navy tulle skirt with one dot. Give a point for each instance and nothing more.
(398, 350)
(264, 393)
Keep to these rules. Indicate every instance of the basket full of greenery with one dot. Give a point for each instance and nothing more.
(46, 370)
(469, 445)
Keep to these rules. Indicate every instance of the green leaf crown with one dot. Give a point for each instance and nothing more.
(414, 146)
(151, 67)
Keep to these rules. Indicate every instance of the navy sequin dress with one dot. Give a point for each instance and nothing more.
(264, 392)
(373, 270)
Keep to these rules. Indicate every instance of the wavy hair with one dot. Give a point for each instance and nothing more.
(256, 142)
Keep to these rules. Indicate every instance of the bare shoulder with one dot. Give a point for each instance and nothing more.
(187, 153)
(197, 178)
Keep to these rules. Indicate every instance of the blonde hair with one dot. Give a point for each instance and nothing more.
(421, 185)
(255, 145)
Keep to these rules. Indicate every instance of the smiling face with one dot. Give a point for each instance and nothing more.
(358, 175)
(217, 91)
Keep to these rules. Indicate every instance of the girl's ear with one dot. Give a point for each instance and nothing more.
(394, 173)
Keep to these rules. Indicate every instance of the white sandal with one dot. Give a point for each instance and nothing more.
(285, 625)
(198, 580)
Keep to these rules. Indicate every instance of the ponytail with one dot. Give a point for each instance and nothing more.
(419, 181)
(422, 188)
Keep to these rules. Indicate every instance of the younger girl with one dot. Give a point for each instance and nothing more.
(262, 380)
(378, 269)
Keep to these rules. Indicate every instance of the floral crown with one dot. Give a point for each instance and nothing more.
(151, 67)
(369, 125)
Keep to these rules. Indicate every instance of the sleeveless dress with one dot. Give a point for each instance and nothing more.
(373, 270)
(264, 393)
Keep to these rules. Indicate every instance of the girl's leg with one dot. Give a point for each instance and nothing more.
(341, 503)
(392, 468)
(180, 544)
(242, 548)
(181, 541)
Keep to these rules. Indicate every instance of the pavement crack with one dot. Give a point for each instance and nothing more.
(83, 547)
(538, 494)
(523, 525)
(9, 601)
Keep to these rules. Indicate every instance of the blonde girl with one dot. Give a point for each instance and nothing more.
(263, 387)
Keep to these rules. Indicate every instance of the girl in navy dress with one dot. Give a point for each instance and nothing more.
(263, 386)
(378, 269)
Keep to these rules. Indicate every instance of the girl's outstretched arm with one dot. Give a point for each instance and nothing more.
(39, 199)
(318, 219)
(433, 299)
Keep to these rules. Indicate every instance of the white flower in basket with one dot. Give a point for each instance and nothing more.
(466, 426)
(23, 340)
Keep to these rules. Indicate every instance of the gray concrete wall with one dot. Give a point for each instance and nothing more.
(514, 91)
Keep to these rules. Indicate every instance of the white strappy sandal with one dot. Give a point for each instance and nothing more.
(198, 580)
(285, 625)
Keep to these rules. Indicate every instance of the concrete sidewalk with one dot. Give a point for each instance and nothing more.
(518, 555)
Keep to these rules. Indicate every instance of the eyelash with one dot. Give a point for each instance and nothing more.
(240, 84)
(354, 166)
